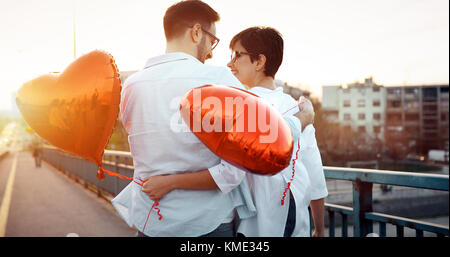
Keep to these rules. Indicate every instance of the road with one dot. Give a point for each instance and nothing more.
(43, 202)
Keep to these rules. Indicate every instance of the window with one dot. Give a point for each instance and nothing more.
(376, 129)
(394, 91)
(362, 129)
(429, 92)
(376, 103)
(361, 116)
(347, 116)
(412, 117)
(412, 91)
(346, 103)
(411, 104)
(376, 89)
(377, 116)
(394, 116)
(394, 104)
(361, 103)
(430, 108)
(443, 116)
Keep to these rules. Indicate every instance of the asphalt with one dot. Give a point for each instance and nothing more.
(46, 203)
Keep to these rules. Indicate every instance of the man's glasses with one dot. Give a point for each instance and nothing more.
(216, 39)
(236, 55)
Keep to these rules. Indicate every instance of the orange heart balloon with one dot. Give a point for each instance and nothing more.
(77, 109)
(239, 127)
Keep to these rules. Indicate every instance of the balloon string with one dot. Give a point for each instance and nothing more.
(140, 182)
(291, 108)
(156, 203)
(293, 173)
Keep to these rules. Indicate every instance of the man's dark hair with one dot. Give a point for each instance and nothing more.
(185, 14)
(262, 40)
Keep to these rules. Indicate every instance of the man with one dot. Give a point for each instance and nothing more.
(150, 107)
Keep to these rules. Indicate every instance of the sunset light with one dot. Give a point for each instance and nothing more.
(326, 42)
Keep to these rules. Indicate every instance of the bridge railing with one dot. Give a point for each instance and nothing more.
(361, 214)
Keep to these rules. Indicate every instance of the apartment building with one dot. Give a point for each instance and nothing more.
(415, 116)
(418, 115)
(358, 106)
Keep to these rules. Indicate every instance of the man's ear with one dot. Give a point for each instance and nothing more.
(196, 33)
(261, 62)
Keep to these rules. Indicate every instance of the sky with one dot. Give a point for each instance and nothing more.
(327, 42)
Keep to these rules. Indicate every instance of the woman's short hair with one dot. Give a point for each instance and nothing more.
(185, 14)
(262, 40)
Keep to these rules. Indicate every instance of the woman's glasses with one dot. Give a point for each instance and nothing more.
(236, 55)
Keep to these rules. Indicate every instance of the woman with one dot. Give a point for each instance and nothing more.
(257, 53)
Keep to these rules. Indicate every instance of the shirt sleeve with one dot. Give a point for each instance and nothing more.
(295, 125)
(311, 159)
(226, 176)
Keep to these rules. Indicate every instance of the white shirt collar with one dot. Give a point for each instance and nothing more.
(169, 57)
(263, 89)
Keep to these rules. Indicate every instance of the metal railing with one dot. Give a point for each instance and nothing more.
(361, 214)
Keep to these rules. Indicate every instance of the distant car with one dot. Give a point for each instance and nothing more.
(438, 155)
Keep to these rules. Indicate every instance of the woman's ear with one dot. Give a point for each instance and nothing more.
(196, 32)
(261, 62)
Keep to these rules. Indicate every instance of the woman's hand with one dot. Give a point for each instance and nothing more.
(157, 187)
(306, 113)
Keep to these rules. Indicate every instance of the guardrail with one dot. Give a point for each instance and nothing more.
(362, 214)
(362, 211)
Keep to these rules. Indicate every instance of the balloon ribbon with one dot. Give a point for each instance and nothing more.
(293, 173)
(140, 182)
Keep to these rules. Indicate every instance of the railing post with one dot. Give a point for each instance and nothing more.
(362, 203)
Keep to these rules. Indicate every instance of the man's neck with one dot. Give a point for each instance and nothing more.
(178, 46)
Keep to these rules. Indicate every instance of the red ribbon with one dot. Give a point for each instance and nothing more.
(139, 181)
(293, 173)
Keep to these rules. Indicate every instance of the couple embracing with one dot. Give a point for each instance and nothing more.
(188, 191)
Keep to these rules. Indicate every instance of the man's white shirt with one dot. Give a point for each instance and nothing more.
(160, 143)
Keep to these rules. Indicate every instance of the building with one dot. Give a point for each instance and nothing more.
(358, 106)
(411, 119)
(419, 116)
(295, 92)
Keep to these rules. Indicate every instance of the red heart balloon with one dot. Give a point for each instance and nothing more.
(77, 109)
(239, 127)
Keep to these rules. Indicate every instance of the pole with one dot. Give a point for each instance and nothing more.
(74, 35)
